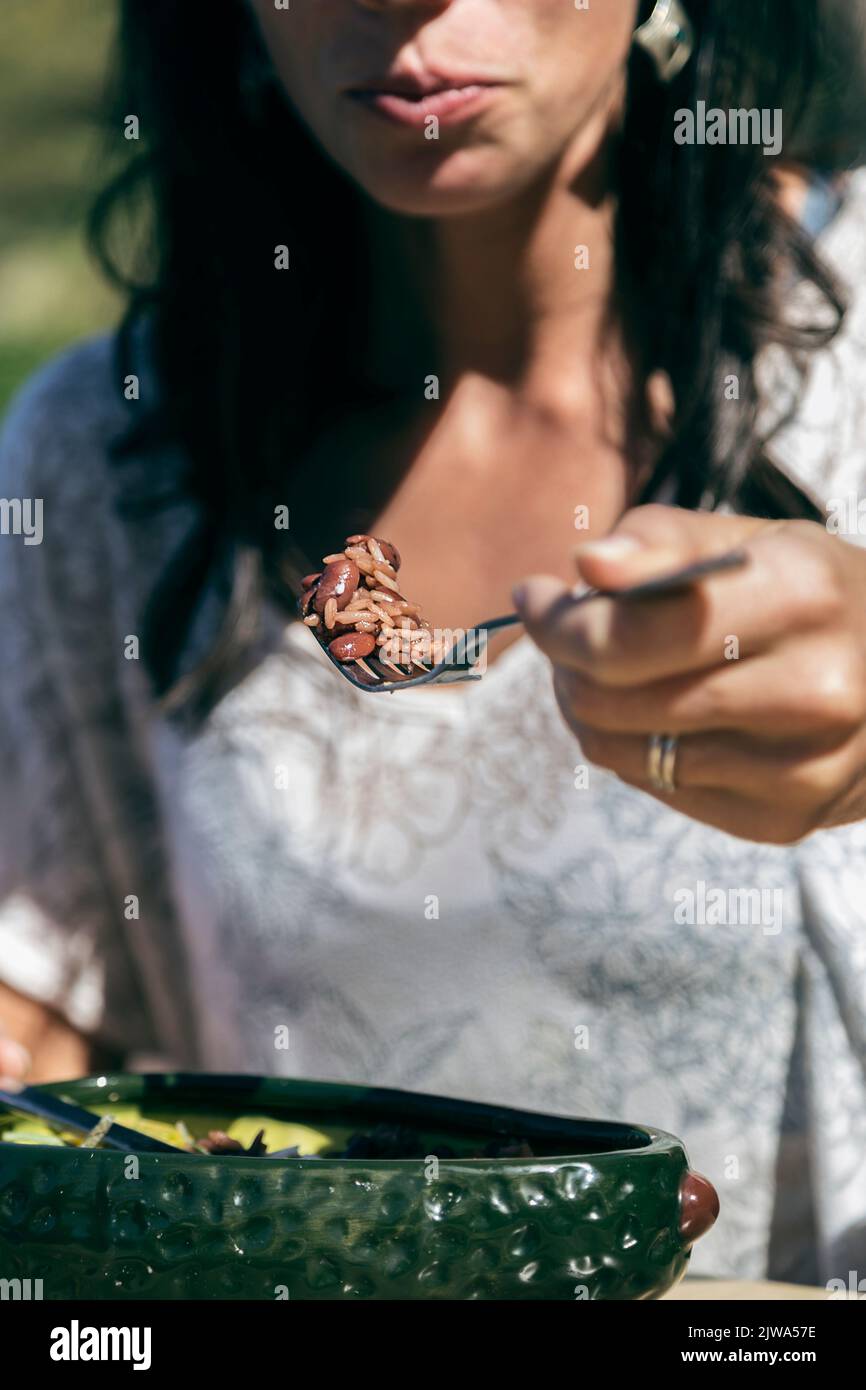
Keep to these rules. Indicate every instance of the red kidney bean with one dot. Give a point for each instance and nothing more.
(310, 579)
(349, 646)
(339, 581)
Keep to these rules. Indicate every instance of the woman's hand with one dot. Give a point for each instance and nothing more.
(37, 1045)
(760, 672)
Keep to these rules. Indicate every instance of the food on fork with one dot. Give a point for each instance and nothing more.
(355, 608)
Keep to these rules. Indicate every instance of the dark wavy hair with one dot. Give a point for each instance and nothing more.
(246, 358)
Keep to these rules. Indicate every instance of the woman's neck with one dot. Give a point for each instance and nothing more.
(521, 294)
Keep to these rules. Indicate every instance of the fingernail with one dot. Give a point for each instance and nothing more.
(518, 594)
(612, 547)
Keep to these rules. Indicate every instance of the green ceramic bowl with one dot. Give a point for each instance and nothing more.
(604, 1211)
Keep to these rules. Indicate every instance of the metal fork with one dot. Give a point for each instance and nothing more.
(460, 661)
(62, 1114)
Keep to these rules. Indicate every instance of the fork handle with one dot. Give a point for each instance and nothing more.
(665, 583)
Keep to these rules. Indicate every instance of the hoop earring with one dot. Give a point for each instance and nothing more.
(668, 37)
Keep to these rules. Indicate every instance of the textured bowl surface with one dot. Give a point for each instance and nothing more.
(597, 1216)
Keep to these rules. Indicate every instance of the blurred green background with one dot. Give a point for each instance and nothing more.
(53, 61)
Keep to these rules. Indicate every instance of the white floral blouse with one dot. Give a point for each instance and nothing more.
(420, 887)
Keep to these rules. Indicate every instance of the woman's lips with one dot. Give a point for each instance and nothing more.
(449, 105)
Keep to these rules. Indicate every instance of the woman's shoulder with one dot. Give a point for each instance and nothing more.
(75, 566)
(57, 433)
(822, 445)
(59, 464)
(58, 496)
(836, 213)
(56, 570)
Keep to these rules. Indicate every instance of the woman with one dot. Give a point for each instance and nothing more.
(441, 271)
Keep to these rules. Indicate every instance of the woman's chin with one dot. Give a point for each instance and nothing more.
(456, 185)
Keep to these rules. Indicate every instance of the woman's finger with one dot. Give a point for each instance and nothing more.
(15, 1062)
(652, 540)
(736, 614)
(764, 821)
(801, 689)
(793, 773)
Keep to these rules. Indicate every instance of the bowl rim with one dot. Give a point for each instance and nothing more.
(334, 1095)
